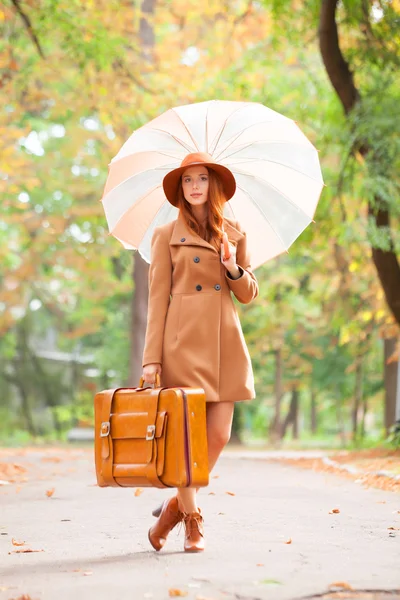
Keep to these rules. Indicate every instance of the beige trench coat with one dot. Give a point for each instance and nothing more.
(193, 328)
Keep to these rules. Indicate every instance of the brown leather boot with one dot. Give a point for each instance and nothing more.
(194, 532)
(169, 517)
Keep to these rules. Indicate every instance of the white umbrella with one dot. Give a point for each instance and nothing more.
(276, 168)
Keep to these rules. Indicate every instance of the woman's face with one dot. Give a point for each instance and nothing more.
(195, 185)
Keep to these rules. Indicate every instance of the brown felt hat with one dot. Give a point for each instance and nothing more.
(172, 179)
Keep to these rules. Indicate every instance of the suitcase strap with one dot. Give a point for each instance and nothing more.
(106, 438)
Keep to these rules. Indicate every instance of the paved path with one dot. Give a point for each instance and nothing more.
(95, 540)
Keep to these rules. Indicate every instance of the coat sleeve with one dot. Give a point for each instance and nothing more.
(245, 288)
(160, 275)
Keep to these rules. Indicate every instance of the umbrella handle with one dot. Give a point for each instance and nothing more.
(227, 253)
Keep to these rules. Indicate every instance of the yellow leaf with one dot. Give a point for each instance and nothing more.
(366, 315)
(353, 267)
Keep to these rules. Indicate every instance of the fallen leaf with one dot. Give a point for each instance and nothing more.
(289, 541)
(220, 513)
(259, 564)
(18, 489)
(394, 528)
(230, 493)
(343, 585)
(271, 582)
(23, 550)
(138, 491)
(88, 573)
(211, 493)
(215, 476)
(15, 543)
(23, 597)
(49, 493)
(174, 593)
(334, 511)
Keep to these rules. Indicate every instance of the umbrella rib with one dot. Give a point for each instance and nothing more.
(264, 215)
(151, 223)
(275, 162)
(174, 137)
(273, 188)
(153, 189)
(218, 137)
(138, 173)
(188, 130)
(240, 133)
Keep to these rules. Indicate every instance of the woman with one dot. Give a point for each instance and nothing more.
(193, 335)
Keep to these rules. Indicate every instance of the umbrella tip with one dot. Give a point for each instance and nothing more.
(312, 221)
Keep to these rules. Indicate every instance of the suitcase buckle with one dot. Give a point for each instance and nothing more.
(105, 429)
(151, 431)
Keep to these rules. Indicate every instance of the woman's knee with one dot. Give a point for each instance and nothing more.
(219, 437)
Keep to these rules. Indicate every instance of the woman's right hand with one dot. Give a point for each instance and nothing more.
(150, 371)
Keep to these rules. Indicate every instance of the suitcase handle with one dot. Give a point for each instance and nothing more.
(157, 383)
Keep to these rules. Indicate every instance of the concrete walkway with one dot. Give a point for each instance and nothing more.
(95, 545)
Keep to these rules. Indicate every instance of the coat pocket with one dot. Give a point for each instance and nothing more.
(173, 318)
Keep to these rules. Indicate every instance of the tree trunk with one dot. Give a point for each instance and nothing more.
(292, 415)
(390, 378)
(357, 395)
(340, 420)
(313, 412)
(295, 396)
(141, 268)
(139, 317)
(25, 404)
(276, 428)
(364, 416)
(386, 263)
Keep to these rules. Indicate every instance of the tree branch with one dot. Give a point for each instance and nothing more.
(28, 26)
(335, 65)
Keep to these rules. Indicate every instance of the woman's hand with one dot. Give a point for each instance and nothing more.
(229, 263)
(150, 371)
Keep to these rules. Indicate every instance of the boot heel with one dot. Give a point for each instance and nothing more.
(169, 517)
(157, 511)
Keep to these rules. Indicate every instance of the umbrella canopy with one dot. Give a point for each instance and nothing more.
(276, 168)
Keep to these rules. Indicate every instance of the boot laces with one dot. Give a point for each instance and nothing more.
(193, 522)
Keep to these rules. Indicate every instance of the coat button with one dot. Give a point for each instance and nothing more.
(217, 287)
(183, 239)
(196, 259)
(198, 288)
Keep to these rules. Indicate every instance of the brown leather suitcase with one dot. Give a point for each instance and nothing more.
(151, 437)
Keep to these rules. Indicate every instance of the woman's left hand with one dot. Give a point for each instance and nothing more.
(229, 263)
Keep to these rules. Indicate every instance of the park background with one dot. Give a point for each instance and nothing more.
(77, 77)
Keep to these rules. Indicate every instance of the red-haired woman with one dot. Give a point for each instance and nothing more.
(194, 337)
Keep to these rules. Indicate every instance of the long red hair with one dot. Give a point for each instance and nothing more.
(212, 230)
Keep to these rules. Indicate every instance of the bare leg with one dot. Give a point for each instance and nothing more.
(219, 425)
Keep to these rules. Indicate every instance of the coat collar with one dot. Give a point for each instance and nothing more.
(181, 232)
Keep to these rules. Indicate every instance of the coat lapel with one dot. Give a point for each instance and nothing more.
(182, 236)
